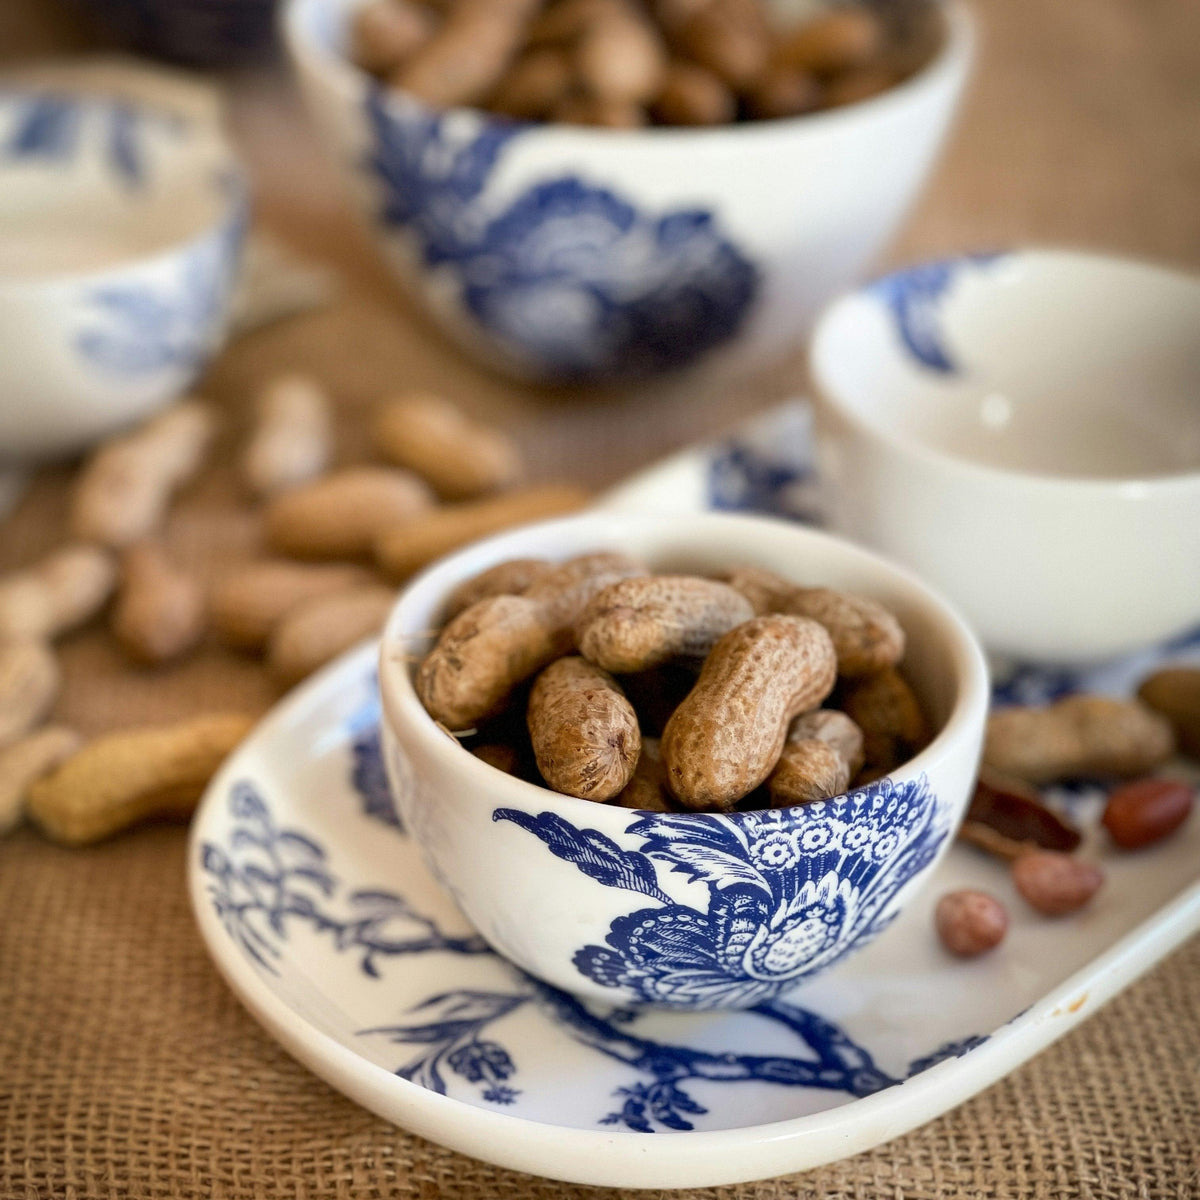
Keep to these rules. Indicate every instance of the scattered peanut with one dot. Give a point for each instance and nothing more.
(125, 488)
(647, 788)
(584, 731)
(1007, 817)
(727, 735)
(29, 683)
(56, 594)
(510, 578)
(822, 753)
(1077, 736)
(341, 515)
(131, 775)
(24, 762)
(318, 630)
(866, 636)
(407, 545)
(160, 613)
(641, 622)
(1175, 693)
(459, 458)
(292, 440)
(249, 603)
(970, 922)
(1146, 811)
(1055, 883)
(887, 711)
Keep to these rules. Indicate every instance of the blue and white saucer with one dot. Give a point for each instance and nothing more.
(318, 910)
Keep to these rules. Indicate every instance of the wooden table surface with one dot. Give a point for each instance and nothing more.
(1081, 128)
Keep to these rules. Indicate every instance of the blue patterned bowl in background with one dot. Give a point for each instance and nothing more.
(574, 254)
(684, 910)
(120, 229)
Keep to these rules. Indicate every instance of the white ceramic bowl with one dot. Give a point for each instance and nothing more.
(120, 225)
(1023, 430)
(569, 253)
(693, 910)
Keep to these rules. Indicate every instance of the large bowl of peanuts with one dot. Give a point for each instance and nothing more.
(679, 761)
(580, 190)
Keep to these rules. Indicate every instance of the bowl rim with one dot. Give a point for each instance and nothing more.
(830, 396)
(227, 175)
(401, 706)
(951, 59)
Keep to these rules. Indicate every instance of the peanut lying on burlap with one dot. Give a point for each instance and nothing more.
(341, 515)
(292, 439)
(129, 776)
(56, 594)
(318, 630)
(26, 761)
(29, 682)
(126, 486)
(459, 458)
(160, 613)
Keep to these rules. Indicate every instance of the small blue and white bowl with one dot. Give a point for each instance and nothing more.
(689, 910)
(1023, 431)
(120, 230)
(573, 254)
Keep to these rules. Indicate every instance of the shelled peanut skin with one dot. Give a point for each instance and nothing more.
(606, 645)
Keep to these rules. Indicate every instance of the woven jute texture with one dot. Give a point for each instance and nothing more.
(128, 1069)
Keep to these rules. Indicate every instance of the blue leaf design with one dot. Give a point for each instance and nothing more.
(596, 855)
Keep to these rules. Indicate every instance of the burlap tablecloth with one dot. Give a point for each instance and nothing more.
(127, 1069)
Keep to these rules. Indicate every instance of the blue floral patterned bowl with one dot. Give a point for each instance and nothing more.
(689, 910)
(120, 226)
(566, 253)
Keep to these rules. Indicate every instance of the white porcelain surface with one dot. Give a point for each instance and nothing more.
(684, 910)
(581, 253)
(120, 224)
(317, 908)
(1023, 431)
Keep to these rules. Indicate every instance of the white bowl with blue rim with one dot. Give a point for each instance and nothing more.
(574, 254)
(1023, 431)
(120, 229)
(684, 910)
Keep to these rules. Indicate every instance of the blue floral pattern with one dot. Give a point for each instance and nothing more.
(915, 295)
(139, 329)
(266, 881)
(790, 891)
(50, 128)
(569, 277)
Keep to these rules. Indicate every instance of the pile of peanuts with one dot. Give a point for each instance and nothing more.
(604, 681)
(628, 63)
(1078, 737)
(338, 542)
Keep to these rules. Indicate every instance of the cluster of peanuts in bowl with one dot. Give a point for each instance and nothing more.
(603, 681)
(625, 64)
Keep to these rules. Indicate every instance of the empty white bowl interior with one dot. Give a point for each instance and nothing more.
(942, 661)
(1066, 365)
(113, 184)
